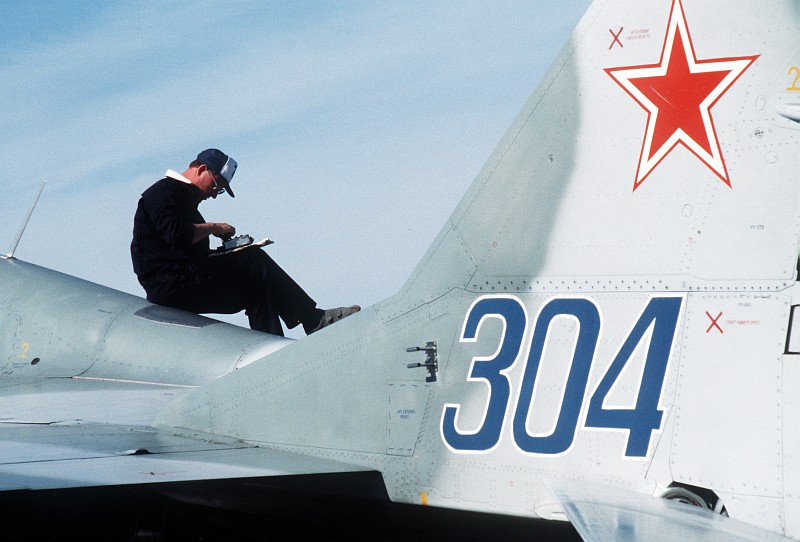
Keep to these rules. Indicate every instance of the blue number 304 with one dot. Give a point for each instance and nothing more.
(660, 316)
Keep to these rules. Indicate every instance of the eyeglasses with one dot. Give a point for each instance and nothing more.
(215, 185)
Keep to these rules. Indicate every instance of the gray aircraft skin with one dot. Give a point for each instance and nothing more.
(605, 324)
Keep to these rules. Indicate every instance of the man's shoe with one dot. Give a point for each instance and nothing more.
(334, 315)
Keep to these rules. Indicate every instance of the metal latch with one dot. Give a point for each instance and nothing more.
(431, 359)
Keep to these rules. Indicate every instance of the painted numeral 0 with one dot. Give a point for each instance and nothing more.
(660, 317)
(585, 312)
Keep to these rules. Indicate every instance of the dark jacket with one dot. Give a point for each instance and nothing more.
(162, 251)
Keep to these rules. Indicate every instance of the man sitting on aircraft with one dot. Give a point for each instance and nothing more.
(170, 253)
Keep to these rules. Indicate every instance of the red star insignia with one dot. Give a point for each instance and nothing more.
(678, 94)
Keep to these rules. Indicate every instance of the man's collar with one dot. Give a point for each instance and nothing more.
(172, 174)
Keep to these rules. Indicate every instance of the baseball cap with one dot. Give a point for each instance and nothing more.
(221, 164)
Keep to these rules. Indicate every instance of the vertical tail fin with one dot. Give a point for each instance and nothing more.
(661, 144)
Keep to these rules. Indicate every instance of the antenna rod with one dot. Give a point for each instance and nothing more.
(11, 250)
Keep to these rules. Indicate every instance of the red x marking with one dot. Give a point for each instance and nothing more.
(616, 38)
(714, 323)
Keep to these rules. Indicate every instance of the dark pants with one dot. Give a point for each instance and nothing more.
(246, 280)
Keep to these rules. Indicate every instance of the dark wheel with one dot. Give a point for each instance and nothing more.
(683, 495)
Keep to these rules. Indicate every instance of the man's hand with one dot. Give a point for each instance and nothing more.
(218, 229)
(223, 230)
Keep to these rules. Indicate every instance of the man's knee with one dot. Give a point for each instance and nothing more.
(256, 264)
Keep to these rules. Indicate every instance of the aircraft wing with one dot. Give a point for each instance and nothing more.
(70, 432)
(601, 513)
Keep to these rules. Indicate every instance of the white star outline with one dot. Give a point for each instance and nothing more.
(714, 160)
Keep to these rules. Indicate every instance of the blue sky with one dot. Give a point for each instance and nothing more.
(357, 125)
